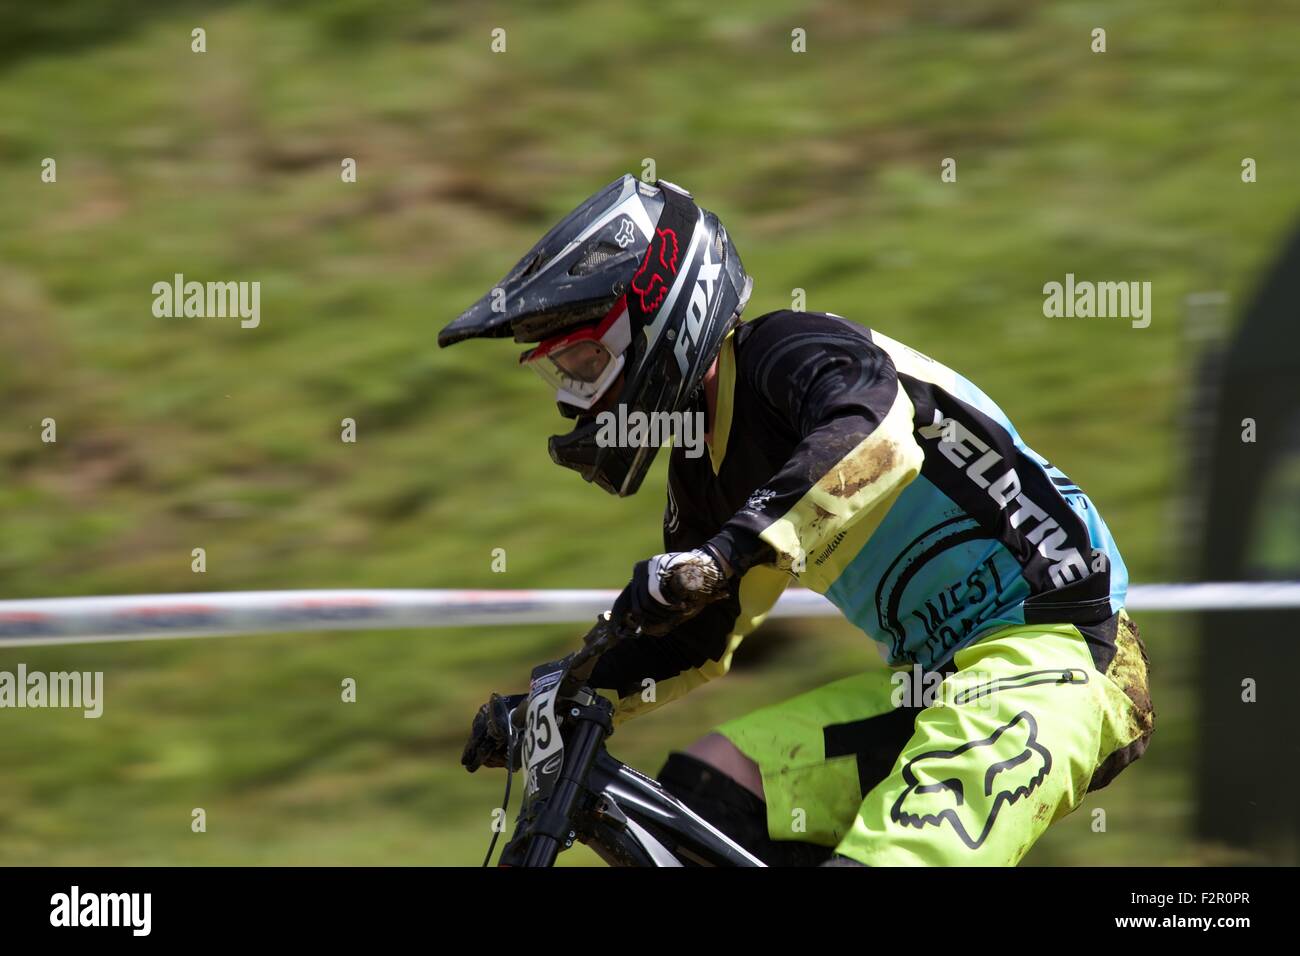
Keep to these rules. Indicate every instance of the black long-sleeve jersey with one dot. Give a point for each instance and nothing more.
(876, 476)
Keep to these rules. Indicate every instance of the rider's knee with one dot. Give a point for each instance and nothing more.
(725, 757)
(717, 797)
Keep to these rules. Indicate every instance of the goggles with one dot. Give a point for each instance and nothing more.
(580, 365)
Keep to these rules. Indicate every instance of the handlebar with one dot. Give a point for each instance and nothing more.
(602, 637)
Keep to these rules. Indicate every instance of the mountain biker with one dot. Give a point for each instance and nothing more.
(844, 460)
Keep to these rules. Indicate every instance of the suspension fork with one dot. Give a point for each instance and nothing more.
(553, 829)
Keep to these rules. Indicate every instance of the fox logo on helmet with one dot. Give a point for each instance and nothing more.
(653, 278)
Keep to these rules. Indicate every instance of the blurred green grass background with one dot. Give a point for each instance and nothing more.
(184, 433)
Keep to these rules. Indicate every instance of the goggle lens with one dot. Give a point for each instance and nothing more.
(583, 361)
(581, 365)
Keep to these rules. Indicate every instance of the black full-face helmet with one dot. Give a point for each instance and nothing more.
(637, 281)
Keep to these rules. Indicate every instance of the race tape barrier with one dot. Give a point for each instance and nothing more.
(81, 620)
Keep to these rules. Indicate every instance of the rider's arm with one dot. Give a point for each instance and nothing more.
(640, 675)
(838, 395)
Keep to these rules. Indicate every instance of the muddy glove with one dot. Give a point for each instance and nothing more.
(489, 733)
(668, 589)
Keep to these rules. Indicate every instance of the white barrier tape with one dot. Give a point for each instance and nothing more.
(80, 620)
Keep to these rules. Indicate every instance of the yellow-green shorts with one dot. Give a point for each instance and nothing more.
(970, 771)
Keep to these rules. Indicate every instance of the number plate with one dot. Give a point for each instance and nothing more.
(543, 747)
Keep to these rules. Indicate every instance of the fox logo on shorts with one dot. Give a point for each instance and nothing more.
(1011, 764)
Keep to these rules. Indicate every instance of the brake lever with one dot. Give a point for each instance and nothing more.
(512, 721)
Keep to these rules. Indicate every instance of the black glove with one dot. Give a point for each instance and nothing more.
(668, 589)
(489, 733)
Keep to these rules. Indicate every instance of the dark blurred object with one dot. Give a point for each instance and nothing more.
(32, 29)
(769, 645)
(1249, 770)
